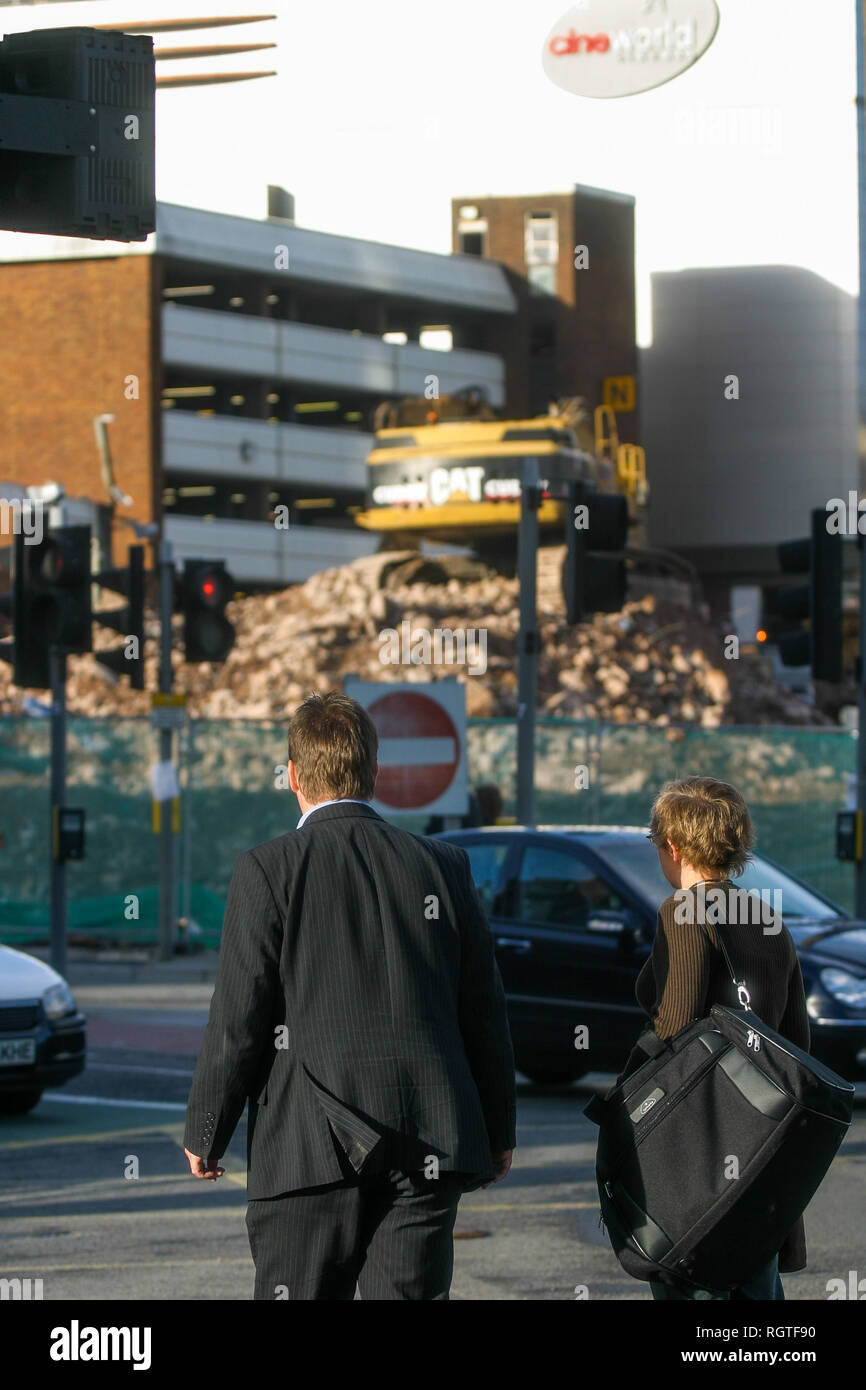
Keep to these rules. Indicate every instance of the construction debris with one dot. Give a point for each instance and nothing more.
(656, 662)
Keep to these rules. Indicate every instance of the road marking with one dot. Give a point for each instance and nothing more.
(150, 1071)
(239, 1179)
(137, 1264)
(128, 1104)
(532, 1206)
(88, 1138)
(11, 1213)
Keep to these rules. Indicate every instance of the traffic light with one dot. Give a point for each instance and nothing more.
(805, 620)
(50, 602)
(593, 576)
(77, 134)
(129, 659)
(204, 591)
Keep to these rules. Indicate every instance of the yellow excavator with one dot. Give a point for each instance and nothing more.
(450, 469)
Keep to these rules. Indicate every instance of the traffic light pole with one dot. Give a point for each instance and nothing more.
(574, 567)
(860, 863)
(57, 666)
(167, 863)
(527, 642)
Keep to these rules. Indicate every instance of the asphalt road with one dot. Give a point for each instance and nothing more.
(74, 1215)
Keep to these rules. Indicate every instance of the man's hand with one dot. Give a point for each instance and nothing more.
(501, 1166)
(200, 1169)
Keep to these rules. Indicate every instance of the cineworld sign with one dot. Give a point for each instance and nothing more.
(615, 48)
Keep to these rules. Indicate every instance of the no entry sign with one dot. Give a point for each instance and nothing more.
(422, 745)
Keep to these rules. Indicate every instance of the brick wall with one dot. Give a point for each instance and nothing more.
(591, 318)
(73, 332)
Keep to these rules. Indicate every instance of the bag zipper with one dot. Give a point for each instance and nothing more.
(844, 1088)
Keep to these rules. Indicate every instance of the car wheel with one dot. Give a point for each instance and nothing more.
(19, 1102)
(550, 1076)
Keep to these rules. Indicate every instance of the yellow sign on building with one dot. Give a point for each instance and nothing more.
(619, 392)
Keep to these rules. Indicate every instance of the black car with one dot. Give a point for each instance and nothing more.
(42, 1032)
(573, 914)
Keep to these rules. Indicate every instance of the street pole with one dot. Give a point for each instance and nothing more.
(860, 862)
(859, 865)
(167, 860)
(527, 641)
(57, 676)
(186, 905)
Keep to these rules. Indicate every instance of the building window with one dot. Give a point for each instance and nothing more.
(472, 232)
(472, 243)
(541, 251)
(542, 278)
(541, 238)
(437, 336)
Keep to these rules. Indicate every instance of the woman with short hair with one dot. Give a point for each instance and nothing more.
(703, 832)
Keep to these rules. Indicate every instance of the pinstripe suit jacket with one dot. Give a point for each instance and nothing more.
(357, 1006)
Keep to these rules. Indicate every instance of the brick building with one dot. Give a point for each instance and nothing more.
(571, 263)
(242, 361)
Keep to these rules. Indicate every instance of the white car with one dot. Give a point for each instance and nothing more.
(42, 1038)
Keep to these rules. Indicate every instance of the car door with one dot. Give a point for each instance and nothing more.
(584, 947)
(488, 858)
(492, 858)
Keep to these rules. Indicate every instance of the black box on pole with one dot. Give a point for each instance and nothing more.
(593, 571)
(68, 832)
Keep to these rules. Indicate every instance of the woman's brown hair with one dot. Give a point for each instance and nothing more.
(708, 822)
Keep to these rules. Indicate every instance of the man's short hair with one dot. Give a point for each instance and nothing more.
(333, 744)
(708, 822)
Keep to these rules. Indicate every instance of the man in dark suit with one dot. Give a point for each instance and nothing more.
(358, 1007)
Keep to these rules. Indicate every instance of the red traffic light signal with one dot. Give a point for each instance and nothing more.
(215, 586)
(205, 589)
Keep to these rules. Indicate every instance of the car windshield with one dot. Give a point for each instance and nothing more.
(638, 863)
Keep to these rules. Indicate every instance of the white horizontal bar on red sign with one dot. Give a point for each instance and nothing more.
(416, 752)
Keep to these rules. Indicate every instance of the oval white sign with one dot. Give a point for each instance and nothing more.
(615, 48)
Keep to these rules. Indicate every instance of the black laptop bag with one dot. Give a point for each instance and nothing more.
(710, 1151)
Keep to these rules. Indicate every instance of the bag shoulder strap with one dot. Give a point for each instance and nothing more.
(740, 986)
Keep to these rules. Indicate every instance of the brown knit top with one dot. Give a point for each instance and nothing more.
(686, 974)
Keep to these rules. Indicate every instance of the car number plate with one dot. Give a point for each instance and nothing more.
(16, 1052)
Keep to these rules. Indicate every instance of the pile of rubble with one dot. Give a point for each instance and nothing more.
(655, 662)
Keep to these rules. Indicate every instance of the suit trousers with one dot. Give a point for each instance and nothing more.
(391, 1236)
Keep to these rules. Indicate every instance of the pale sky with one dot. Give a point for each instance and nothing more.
(383, 111)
